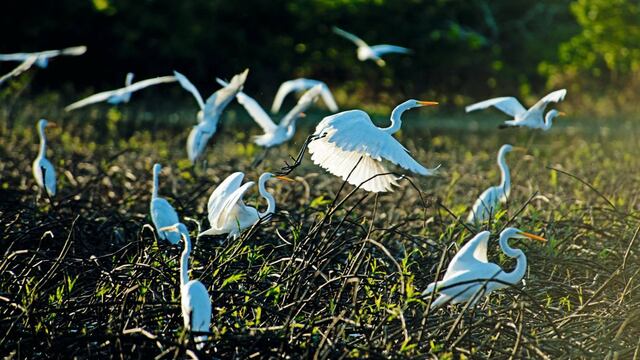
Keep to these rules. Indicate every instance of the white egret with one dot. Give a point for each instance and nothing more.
(210, 111)
(46, 181)
(42, 57)
(471, 276)
(301, 84)
(349, 138)
(532, 118)
(486, 205)
(286, 128)
(162, 213)
(194, 297)
(122, 95)
(366, 52)
(24, 66)
(227, 212)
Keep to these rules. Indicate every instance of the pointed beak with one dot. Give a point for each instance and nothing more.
(532, 236)
(428, 103)
(52, 124)
(303, 115)
(562, 113)
(284, 178)
(519, 149)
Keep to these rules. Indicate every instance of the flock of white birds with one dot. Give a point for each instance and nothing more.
(347, 144)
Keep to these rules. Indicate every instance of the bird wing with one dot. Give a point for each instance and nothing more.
(188, 85)
(382, 49)
(196, 303)
(541, 105)
(103, 96)
(224, 190)
(16, 56)
(474, 251)
(229, 208)
(288, 87)
(73, 51)
(24, 66)
(507, 104)
(254, 109)
(305, 101)
(163, 215)
(347, 35)
(218, 101)
(328, 99)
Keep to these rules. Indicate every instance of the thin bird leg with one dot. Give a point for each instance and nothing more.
(287, 169)
(260, 158)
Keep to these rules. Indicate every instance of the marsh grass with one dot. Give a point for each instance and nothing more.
(336, 272)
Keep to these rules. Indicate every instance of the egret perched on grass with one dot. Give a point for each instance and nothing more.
(43, 170)
(349, 138)
(532, 118)
(366, 52)
(42, 57)
(210, 111)
(227, 212)
(162, 213)
(122, 95)
(486, 205)
(301, 84)
(286, 128)
(194, 297)
(24, 66)
(471, 276)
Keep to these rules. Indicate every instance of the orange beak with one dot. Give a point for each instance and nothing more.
(533, 237)
(303, 115)
(52, 124)
(562, 113)
(284, 178)
(428, 103)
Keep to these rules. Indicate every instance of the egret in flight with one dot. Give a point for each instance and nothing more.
(486, 205)
(24, 66)
(349, 138)
(366, 52)
(122, 95)
(470, 276)
(42, 57)
(194, 297)
(43, 170)
(227, 212)
(162, 213)
(210, 111)
(286, 128)
(532, 118)
(301, 84)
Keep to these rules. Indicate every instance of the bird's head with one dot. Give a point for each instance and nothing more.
(312, 94)
(555, 113)
(156, 168)
(43, 123)
(266, 176)
(513, 233)
(419, 103)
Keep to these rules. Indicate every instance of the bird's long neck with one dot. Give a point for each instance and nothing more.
(43, 142)
(396, 115)
(516, 274)
(184, 259)
(289, 120)
(548, 120)
(505, 174)
(154, 191)
(271, 202)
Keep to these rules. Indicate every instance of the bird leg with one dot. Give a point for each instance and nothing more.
(260, 158)
(287, 169)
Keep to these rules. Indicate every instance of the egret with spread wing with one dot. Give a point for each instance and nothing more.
(301, 84)
(470, 275)
(24, 66)
(122, 95)
(194, 297)
(162, 213)
(210, 111)
(284, 131)
(350, 146)
(43, 170)
(42, 57)
(366, 52)
(534, 117)
(227, 212)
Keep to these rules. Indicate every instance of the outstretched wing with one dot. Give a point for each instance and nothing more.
(288, 87)
(541, 105)
(474, 251)
(349, 36)
(188, 85)
(380, 50)
(218, 101)
(254, 109)
(220, 194)
(306, 100)
(507, 104)
(230, 207)
(24, 66)
(328, 99)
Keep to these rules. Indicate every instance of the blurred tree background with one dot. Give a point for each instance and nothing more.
(463, 50)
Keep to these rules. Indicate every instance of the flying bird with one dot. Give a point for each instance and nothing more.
(43, 170)
(122, 95)
(533, 118)
(162, 213)
(349, 138)
(486, 205)
(194, 297)
(42, 57)
(24, 66)
(228, 213)
(470, 276)
(366, 52)
(301, 84)
(286, 128)
(210, 111)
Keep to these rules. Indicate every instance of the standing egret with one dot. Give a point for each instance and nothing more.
(302, 84)
(24, 66)
(227, 212)
(286, 128)
(470, 275)
(42, 57)
(46, 181)
(194, 297)
(121, 95)
(486, 205)
(162, 213)
(533, 118)
(366, 52)
(349, 138)
(210, 111)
